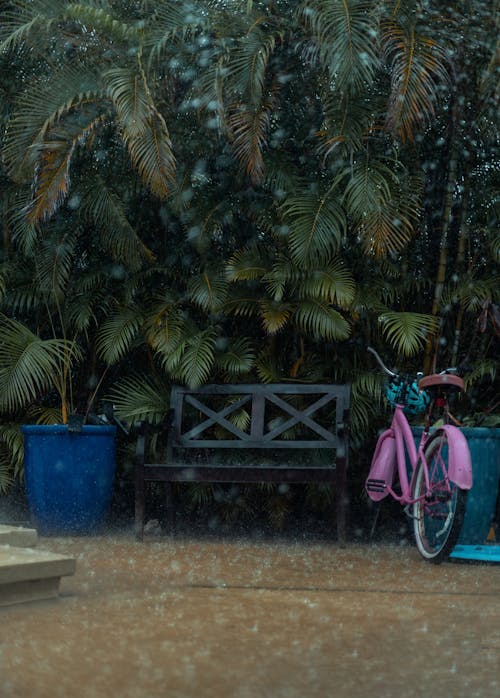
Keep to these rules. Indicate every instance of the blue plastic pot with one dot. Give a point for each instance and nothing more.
(484, 444)
(69, 477)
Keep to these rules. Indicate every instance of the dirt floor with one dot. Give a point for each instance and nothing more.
(185, 618)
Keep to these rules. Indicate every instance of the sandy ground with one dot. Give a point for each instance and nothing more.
(185, 618)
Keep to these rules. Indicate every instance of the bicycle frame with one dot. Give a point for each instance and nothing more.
(460, 466)
(404, 440)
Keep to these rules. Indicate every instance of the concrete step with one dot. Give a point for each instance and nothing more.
(18, 536)
(27, 574)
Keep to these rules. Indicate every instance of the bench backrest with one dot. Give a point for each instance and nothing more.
(264, 416)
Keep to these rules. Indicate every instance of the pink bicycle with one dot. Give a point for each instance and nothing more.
(435, 494)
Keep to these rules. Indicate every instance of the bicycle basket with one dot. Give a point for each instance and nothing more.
(406, 393)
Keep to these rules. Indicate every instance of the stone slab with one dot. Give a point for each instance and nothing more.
(27, 574)
(31, 590)
(18, 536)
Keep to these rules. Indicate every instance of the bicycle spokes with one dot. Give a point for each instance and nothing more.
(439, 503)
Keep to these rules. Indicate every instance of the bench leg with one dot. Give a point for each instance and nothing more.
(170, 506)
(342, 501)
(139, 507)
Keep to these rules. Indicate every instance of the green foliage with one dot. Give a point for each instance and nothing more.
(29, 365)
(233, 191)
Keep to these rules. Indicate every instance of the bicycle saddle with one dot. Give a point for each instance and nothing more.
(441, 380)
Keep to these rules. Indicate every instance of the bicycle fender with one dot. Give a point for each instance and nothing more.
(460, 463)
(382, 467)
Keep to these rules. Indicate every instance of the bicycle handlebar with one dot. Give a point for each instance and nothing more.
(390, 373)
(394, 374)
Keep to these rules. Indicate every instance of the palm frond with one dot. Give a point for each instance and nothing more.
(52, 173)
(102, 21)
(29, 365)
(495, 247)
(11, 454)
(25, 23)
(317, 223)
(407, 332)
(151, 153)
(169, 22)
(274, 315)
(131, 98)
(209, 290)
(472, 291)
(101, 206)
(248, 264)
(249, 127)
(319, 319)
(24, 234)
(198, 358)
(118, 333)
(237, 358)
(485, 369)
(167, 327)
(140, 398)
(333, 283)
(348, 120)
(418, 68)
(55, 261)
(344, 42)
(39, 108)
(383, 200)
(246, 65)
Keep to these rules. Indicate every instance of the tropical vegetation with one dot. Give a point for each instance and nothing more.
(240, 190)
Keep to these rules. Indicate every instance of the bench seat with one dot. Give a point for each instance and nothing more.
(283, 427)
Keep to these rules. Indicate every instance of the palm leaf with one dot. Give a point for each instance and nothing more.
(249, 127)
(418, 69)
(407, 332)
(118, 333)
(52, 174)
(29, 365)
(317, 224)
(106, 210)
(383, 201)
(237, 358)
(274, 315)
(348, 120)
(333, 283)
(11, 454)
(170, 21)
(41, 107)
(132, 100)
(209, 290)
(198, 358)
(25, 23)
(103, 22)
(246, 65)
(319, 319)
(55, 261)
(343, 34)
(248, 264)
(140, 398)
(151, 153)
(166, 326)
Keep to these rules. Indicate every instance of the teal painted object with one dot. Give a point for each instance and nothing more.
(484, 444)
(480, 553)
(69, 476)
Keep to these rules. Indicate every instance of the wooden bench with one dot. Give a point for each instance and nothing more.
(251, 434)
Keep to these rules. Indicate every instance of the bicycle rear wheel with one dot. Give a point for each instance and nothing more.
(437, 514)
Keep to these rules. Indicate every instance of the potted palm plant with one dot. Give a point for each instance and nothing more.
(68, 465)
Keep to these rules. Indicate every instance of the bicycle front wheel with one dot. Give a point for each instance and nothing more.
(438, 511)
